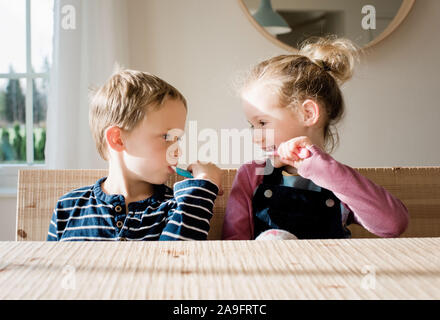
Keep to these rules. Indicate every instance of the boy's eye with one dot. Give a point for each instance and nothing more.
(262, 123)
(169, 137)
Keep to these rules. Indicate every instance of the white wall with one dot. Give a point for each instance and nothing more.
(393, 113)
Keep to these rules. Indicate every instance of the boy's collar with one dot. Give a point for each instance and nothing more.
(104, 197)
(114, 199)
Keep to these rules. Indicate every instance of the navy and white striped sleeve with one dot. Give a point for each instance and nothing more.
(190, 218)
(52, 235)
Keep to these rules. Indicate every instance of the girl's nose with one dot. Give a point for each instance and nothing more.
(258, 136)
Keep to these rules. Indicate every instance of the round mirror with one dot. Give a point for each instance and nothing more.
(289, 22)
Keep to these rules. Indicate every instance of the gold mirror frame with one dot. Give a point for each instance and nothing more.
(404, 9)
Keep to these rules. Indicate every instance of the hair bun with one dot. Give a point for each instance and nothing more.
(335, 55)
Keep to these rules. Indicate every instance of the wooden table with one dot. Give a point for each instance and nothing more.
(406, 268)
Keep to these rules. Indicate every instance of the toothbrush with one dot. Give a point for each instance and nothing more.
(182, 172)
(303, 154)
(271, 153)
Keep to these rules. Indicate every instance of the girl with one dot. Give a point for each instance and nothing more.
(293, 102)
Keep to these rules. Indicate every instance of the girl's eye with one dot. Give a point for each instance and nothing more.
(260, 124)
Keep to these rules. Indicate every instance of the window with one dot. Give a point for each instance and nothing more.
(25, 62)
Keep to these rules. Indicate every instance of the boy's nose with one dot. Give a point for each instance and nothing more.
(177, 152)
(173, 153)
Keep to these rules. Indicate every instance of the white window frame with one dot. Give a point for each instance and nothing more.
(9, 172)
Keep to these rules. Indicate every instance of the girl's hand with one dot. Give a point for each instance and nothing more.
(208, 171)
(294, 151)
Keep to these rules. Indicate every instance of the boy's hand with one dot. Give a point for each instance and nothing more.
(294, 151)
(207, 171)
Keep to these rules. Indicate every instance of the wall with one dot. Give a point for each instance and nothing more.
(201, 45)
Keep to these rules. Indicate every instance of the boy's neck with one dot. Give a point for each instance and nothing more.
(121, 182)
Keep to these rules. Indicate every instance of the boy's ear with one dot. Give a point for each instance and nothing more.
(310, 112)
(114, 139)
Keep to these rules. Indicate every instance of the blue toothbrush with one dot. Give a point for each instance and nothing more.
(183, 172)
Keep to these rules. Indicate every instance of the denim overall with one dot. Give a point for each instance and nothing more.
(307, 214)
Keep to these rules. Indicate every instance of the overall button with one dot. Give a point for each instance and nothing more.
(330, 203)
(268, 193)
(118, 208)
(123, 239)
(119, 224)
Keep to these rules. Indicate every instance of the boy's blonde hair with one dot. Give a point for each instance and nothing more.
(316, 72)
(125, 100)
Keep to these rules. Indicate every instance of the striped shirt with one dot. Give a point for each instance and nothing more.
(90, 214)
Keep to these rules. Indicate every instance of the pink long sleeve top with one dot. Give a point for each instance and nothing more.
(371, 205)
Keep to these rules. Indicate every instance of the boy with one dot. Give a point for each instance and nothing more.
(131, 118)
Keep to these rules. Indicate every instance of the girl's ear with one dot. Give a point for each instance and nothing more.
(310, 112)
(114, 139)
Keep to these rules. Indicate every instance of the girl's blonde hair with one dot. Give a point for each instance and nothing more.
(321, 66)
(125, 100)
